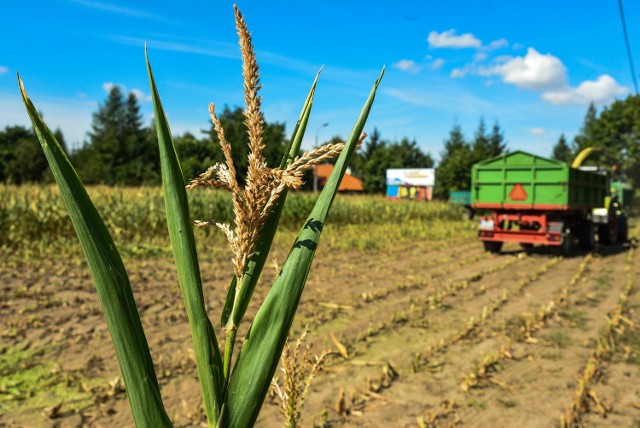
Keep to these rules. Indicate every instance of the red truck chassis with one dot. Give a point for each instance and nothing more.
(524, 227)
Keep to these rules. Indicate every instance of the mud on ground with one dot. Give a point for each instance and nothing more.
(432, 334)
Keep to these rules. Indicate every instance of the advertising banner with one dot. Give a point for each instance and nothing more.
(411, 177)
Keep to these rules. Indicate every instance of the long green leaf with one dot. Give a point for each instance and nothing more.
(208, 359)
(257, 261)
(260, 352)
(110, 279)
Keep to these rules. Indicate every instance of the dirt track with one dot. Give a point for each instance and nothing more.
(416, 320)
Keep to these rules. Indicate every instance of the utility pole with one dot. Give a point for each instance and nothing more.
(315, 168)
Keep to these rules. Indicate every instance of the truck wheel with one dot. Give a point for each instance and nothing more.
(526, 246)
(492, 246)
(564, 249)
(608, 233)
(606, 236)
(623, 229)
(587, 237)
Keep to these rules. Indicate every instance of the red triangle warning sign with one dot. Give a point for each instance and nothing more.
(518, 193)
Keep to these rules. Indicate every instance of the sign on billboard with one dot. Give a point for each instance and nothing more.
(411, 177)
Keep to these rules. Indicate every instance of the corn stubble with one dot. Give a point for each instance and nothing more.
(233, 391)
(298, 371)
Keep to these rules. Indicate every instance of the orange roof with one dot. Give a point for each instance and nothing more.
(349, 182)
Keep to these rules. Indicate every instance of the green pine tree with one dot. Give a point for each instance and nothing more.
(497, 143)
(585, 137)
(454, 171)
(562, 151)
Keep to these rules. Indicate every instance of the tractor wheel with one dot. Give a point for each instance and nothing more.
(587, 236)
(564, 249)
(526, 246)
(492, 246)
(608, 233)
(623, 229)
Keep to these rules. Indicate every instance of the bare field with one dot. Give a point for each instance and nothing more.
(430, 333)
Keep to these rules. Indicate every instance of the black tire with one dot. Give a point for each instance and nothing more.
(526, 246)
(564, 249)
(608, 233)
(587, 236)
(623, 229)
(605, 234)
(492, 246)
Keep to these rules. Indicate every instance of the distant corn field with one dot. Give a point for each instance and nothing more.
(35, 215)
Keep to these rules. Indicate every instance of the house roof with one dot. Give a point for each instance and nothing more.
(349, 182)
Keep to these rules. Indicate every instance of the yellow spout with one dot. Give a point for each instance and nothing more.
(577, 162)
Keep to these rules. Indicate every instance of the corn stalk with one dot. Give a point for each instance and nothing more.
(233, 393)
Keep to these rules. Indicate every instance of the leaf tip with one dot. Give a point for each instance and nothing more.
(23, 91)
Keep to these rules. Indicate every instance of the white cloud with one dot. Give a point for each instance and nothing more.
(437, 63)
(407, 65)
(458, 73)
(537, 131)
(600, 91)
(546, 73)
(484, 71)
(498, 44)
(138, 93)
(449, 39)
(480, 56)
(502, 58)
(107, 86)
(534, 71)
(3, 69)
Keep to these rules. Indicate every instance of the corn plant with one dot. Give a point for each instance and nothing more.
(233, 391)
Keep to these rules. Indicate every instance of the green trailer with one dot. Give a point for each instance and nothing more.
(535, 200)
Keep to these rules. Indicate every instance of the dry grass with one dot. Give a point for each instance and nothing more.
(298, 371)
(585, 398)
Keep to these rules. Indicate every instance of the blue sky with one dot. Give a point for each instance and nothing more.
(531, 65)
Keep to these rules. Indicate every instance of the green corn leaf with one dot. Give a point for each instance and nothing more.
(228, 302)
(208, 359)
(257, 261)
(110, 279)
(260, 352)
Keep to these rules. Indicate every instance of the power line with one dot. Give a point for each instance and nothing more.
(626, 40)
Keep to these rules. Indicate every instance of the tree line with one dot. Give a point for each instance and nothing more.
(121, 150)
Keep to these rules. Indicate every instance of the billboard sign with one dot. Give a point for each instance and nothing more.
(411, 177)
